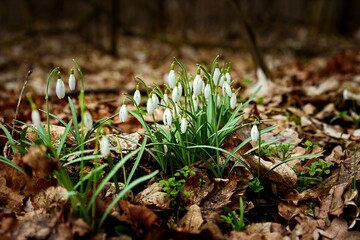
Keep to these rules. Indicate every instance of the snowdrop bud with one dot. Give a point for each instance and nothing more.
(196, 102)
(175, 94)
(60, 87)
(165, 99)
(233, 101)
(216, 76)
(254, 133)
(35, 117)
(123, 114)
(172, 77)
(104, 146)
(197, 85)
(184, 124)
(155, 100)
(137, 96)
(228, 77)
(150, 106)
(346, 94)
(207, 91)
(222, 80)
(226, 89)
(180, 89)
(88, 121)
(167, 117)
(72, 80)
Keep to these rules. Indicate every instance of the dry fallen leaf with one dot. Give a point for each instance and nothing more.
(192, 220)
(153, 197)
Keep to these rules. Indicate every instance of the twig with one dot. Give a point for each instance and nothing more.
(17, 110)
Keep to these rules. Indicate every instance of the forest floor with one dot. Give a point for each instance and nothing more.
(314, 198)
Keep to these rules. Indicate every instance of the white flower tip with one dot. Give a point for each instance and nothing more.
(104, 146)
(123, 114)
(88, 121)
(72, 82)
(60, 88)
(254, 133)
(35, 117)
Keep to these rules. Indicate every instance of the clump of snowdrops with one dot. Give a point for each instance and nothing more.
(199, 112)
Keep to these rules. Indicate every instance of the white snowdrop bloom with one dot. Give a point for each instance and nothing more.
(155, 100)
(123, 114)
(222, 80)
(183, 125)
(180, 89)
(167, 117)
(72, 81)
(175, 94)
(176, 111)
(104, 146)
(254, 133)
(207, 91)
(233, 101)
(88, 121)
(196, 102)
(228, 77)
(60, 88)
(165, 99)
(226, 89)
(172, 79)
(216, 76)
(197, 85)
(137, 97)
(347, 94)
(150, 106)
(35, 118)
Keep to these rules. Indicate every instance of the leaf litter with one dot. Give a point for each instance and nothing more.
(305, 101)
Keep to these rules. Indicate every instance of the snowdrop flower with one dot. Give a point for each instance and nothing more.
(176, 111)
(72, 80)
(226, 89)
(233, 101)
(172, 77)
(88, 121)
(196, 102)
(155, 100)
(60, 87)
(180, 89)
(175, 94)
(35, 117)
(150, 106)
(104, 146)
(254, 133)
(165, 99)
(197, 85)
(184, 124)
(222, 80)
(207, 91)
(228, 77)
(137, 96)
(216, 76)
(123, 114)
(167, 117)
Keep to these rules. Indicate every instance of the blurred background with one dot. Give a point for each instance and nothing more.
(116, 40)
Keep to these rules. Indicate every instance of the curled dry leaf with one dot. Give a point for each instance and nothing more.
(192, 220)
(153, 197)
(51, 197)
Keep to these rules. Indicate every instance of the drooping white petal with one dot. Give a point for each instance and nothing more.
(228, 77)
(222, 80)
(172, 79)
(72, 82)
(60, 88)
(167, 117)
(104, 146)
(137, 97)
(183, 125)
(150, 106)
(216, 76)
(196, 102)
(207, 91)
(175, 94)
(165, 100)
(180, 89)
(197, 85)
(155, 100)
(233, 101)
(88, 121)
(226, 89)
(35, 118)
(218, 101)
(254, 133)
(123, 114)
